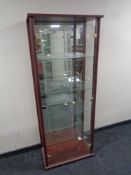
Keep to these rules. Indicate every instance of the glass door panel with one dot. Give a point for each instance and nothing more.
(89, 63)
(65, 54)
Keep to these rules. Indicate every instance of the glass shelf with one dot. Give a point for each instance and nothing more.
(65, 114)
(72, 56)
(63, 91)
(63, 86)
(64, 99)
(65, 118)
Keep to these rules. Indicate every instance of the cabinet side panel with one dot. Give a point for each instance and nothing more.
(95, 67)
(30, 30)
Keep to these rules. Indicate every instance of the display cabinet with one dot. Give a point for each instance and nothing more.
(64, 58)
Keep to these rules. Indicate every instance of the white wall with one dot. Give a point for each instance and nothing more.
(18, 119)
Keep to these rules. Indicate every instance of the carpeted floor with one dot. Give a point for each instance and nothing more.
(112, 157)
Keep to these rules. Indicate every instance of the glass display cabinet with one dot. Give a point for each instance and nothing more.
(64, 57)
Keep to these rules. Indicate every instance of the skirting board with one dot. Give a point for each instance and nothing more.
(113, 125)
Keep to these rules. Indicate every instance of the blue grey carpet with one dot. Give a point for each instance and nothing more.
(112, 157)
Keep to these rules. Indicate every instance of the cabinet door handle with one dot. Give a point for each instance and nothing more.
(44, 107)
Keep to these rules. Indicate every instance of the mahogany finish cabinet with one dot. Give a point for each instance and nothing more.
(64, 57)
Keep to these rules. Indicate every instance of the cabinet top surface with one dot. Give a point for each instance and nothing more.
(53, 17)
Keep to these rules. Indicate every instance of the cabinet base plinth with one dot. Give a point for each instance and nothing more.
(67, 152)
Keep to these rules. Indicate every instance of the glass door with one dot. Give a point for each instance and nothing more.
(65, 55)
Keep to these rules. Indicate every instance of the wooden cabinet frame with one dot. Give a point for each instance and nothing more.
(30, 27)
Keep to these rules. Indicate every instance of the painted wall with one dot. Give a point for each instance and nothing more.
(18, 119)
